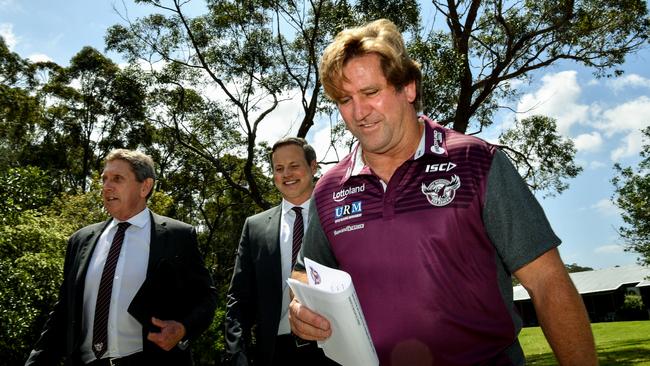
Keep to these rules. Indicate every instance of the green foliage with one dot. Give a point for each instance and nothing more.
(441, 69)
(633, 302)
(19, 108)
(209, 349)
(93, 107)
(22, 189)
(542, 156)
(574, 267)
(632, 196)
(31, 264)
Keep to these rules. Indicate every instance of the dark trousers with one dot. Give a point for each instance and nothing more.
(292, 351)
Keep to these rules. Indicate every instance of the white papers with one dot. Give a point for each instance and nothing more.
(330, 293)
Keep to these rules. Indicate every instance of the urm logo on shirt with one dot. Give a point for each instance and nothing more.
(346, 212)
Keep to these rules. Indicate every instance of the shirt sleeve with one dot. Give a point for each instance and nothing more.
(514, 219)
(315, 245)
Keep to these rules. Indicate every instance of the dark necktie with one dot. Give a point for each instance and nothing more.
(100, 333)
(298, 232)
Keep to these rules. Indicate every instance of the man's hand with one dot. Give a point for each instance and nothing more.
(171, 332)
(306, 324)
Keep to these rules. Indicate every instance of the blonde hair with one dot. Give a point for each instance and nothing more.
(380, 37)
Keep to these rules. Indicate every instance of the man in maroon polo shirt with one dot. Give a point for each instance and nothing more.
(430, 223)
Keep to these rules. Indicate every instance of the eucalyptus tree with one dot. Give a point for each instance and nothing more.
(90, 107)
(247, 55)
(254, 52)
(19, 108)
(541, 154)
(481, 47)
(632, 197)
(494, 42)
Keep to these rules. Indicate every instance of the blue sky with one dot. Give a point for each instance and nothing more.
(602, 116)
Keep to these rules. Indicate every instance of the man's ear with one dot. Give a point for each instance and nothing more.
(314, 167)
(410, 90)
(147, 186)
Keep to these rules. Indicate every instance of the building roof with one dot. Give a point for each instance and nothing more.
(643, 283)
(601, 280)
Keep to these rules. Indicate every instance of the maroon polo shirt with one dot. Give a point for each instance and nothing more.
(431, 251)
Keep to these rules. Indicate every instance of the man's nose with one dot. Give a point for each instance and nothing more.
(361, 109)
(287, 173)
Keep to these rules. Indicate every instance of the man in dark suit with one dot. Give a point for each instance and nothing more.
(135, 290)
(258, 297)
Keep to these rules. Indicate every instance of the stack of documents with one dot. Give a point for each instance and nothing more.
(330, 293)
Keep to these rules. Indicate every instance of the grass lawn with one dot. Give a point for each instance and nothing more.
(617, 343)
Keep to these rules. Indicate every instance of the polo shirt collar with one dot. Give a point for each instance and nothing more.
(432, 142)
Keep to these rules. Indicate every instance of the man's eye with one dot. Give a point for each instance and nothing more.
(343, 100)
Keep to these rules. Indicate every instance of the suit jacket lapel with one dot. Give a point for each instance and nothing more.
(87, 247)
(156, 244)
(141, 306)
(272, 239)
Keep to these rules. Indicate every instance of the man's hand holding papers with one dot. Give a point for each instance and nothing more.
(326, 309)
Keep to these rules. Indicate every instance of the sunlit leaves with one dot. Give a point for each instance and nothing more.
(543, 157)
(632, 197)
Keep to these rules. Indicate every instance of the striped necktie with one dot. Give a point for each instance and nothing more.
(298, 232)
(100, 332)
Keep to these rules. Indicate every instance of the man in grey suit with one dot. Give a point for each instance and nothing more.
(135, 290)
(258, 297)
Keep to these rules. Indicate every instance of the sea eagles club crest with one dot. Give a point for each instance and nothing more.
(441, 191)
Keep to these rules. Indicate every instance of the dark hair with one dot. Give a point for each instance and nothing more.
(141, 164)
(310, 153)
(380, 37)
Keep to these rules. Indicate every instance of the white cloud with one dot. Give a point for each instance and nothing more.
(631, 146)
(320, 140)
(606, 207)
(7, 32)
(596, 165)
(609, 249)
(593, 82)
(39, 57)
(557, 98)
(626, 81)
(147, 66)
(588, 141)
(629, 116)
(283, 121)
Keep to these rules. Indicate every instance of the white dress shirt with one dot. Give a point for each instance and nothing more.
(124, 331)
(286, 248)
